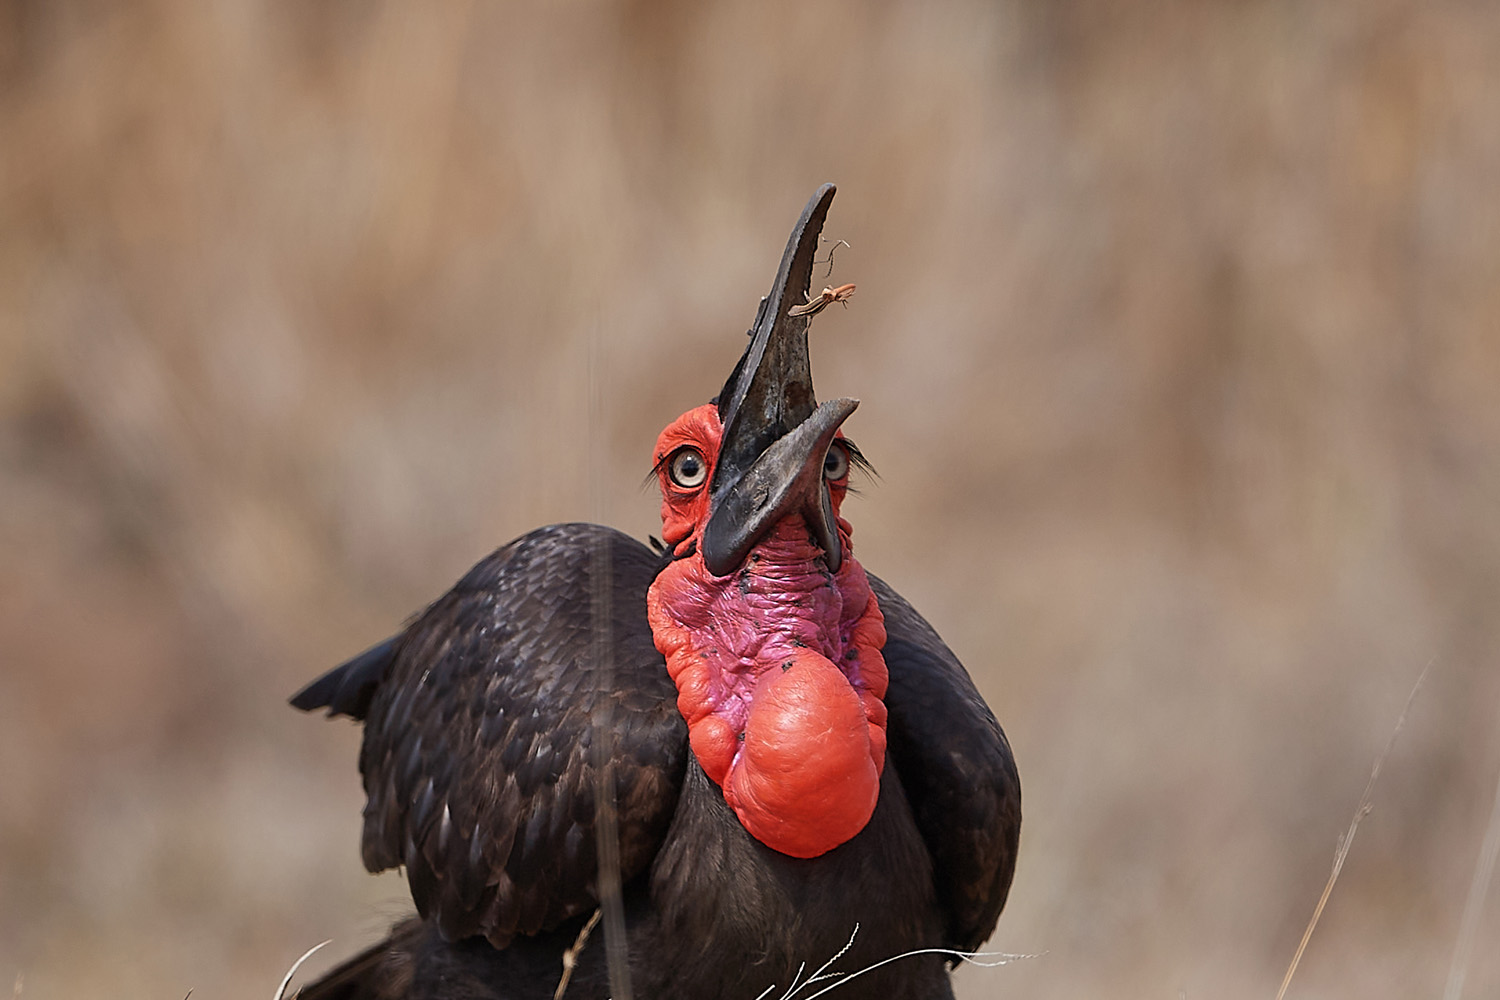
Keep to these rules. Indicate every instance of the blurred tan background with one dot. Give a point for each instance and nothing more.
(1178, 336)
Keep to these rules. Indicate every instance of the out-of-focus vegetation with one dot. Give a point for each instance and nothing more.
(1178, 335)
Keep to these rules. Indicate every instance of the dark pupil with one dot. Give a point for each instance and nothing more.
(687, 467)
(831, 463)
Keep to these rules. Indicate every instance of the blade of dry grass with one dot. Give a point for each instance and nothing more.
(820, 975)
(1366, 803)
(570, 957)
(287, 979)
(983, 959)
(1484, 871)
(606, 816)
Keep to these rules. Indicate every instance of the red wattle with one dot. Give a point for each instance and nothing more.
(810, 772)
(714, 743)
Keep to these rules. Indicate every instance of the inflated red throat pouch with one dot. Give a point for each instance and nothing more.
(780, 677)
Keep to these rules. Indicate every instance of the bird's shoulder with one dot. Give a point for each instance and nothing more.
(957, 769)
(481, 718)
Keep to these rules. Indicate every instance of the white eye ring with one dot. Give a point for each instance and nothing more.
(688, 468)
(836, 463)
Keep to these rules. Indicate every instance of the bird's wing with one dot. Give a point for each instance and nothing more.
(479, 722)
(956, 767)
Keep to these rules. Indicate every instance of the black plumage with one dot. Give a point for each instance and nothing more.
(475, 759)
(477, 725)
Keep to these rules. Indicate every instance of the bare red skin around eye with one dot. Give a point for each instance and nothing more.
(683, 512)
(778, 670)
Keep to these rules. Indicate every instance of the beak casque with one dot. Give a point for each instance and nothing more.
(776, 436)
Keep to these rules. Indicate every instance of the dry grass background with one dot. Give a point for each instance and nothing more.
(1178, 335)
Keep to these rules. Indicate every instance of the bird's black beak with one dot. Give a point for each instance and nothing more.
(776, 436)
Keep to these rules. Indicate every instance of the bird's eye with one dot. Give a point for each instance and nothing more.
(688, 468)
(836, 464)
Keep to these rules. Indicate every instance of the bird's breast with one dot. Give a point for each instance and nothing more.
(731, 917)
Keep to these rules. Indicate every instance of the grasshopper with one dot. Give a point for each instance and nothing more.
(817, 303)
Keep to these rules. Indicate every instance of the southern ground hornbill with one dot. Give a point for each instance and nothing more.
(787, 749)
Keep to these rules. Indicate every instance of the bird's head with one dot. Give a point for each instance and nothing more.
(767, 622)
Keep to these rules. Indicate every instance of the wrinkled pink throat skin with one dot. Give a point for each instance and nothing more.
(780, 677)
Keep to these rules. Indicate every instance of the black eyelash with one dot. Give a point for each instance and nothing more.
(857, 459)
(654, 476)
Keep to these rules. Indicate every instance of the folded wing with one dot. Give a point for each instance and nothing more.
(956, 766)
(480, 720)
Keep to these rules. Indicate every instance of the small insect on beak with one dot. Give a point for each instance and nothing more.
(816, 304)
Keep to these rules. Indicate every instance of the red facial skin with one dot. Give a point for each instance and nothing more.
(778, 666)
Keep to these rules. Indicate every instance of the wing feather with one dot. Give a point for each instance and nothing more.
(478, 722)
(957, 769)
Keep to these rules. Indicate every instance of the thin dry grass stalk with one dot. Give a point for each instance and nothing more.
(818, 976)
(287, 979)
(1366, 803)
(983, 959)
(1484, 871)
(606, 818)
(570, 957)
